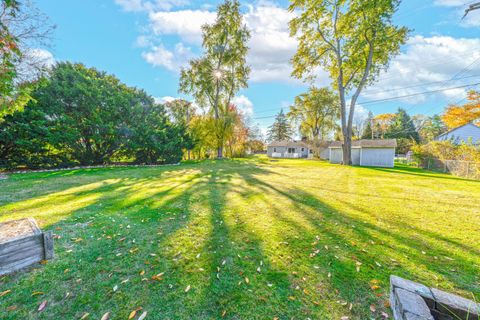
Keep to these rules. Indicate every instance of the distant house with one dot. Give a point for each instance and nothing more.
(289, 149)
(468, 133)
(369, 153)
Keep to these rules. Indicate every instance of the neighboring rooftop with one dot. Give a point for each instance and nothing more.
(290, 144)
(380, 143)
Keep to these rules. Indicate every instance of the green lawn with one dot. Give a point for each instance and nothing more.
(251, 239)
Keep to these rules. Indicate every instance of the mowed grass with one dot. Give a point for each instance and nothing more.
(241, 239)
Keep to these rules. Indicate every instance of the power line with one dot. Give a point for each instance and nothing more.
(417, 94)
(421, 85)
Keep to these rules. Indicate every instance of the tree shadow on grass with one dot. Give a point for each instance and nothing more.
(417, 172)
(135, 224)
(393, 250)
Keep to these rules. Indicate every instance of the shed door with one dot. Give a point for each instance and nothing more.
(336, 155)
(378, 157)
(356, 156)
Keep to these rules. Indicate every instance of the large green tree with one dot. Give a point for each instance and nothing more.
(215, 78)
(403, 129)
(353, 40)
(89, 109)
(316, 112)
(280, 129)
(182, 112)
(80, 115)
(402, 126)
(152, 138)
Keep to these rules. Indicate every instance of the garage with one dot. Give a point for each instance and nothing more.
(368, 153)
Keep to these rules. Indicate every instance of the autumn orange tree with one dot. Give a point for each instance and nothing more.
(456, 116)
(381, 123)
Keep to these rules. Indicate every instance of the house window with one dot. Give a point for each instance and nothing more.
(274, 149)
(303, 149)
(311, 151)
(291, 150)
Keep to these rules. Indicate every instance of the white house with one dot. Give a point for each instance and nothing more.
(289, 149)
(468, 133)
(369, 153)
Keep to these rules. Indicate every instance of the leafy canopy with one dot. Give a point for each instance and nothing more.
(215, 78)
(353, 40)
(317, 112)
(456, 116)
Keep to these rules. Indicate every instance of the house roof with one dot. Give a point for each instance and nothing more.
(470, 124)
(290, 144)
(384, 143)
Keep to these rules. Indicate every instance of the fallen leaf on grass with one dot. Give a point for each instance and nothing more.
(142, 316)
(142, 272)
(372, 308)
(133, 313)
(385, 315)
(106, 316)
(12, 308)
(36, 293)
(85, 316)
(158, 277)
(224, 313)
(42, 305)
(115, 288)
(187, 288)
(247, 281)
(5, 292)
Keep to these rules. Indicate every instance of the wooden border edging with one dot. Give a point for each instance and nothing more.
(25, 249)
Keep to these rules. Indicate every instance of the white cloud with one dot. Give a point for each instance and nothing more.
(42, 56)
(173, 60)
(185, 23)
(142, 5)
(131, 5)
(360, 114)
(162, 100)
(143, 41)
(244, 105)
(271, 46)
(426, 60)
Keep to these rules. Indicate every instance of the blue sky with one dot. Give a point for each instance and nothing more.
(145, 42)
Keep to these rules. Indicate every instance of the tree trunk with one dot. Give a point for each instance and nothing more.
(220, 152)
(347, 138)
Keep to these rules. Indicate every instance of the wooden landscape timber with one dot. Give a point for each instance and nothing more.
(22, 244)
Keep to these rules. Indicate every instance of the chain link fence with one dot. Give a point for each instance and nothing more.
(464, 169)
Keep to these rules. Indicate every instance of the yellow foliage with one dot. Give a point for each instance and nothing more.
(456, 116)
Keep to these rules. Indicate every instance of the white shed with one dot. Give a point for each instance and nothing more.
(468, 133)
(369, 153)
